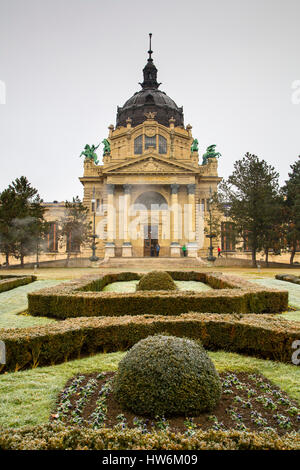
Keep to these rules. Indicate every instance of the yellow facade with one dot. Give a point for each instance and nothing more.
(182, 187)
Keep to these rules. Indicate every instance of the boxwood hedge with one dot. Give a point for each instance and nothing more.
(288, 278)
(263, 336)
(9, 282)
(85, 298)
(55, 437)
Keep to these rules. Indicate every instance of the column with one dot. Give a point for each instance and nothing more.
(192, 244)
(126, 247)
(110, 245)
(175, 246)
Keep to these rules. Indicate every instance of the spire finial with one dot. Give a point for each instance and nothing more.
(150, 52)
(150, 71)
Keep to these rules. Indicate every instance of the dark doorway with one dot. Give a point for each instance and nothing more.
(150, 239)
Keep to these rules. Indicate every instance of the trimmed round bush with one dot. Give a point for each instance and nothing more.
(156, 280)
(167, 375)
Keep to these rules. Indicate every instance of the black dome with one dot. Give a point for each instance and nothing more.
(150, 99)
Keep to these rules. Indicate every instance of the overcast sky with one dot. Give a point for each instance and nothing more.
(68, 64)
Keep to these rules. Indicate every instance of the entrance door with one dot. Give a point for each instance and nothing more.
(150, 239)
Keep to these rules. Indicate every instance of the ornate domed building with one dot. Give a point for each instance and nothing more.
(150, 191)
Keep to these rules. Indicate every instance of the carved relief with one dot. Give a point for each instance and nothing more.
(150, 131)
(151, 165)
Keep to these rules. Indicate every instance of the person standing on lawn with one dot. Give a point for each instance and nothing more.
(184, 251)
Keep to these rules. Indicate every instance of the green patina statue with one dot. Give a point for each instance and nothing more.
(106, 144)
(210, 153)
(90, 154)
(194, 146)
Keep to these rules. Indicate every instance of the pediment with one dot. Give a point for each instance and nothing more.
(150, 164)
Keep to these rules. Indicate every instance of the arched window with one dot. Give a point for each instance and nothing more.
(138, 145)
(149, 98)
(162, 143)
(150, 141)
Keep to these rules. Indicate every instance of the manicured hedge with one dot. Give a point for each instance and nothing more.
(10, 282)
(85, 298)
(288, 278)
(262, 336)
(53, 437)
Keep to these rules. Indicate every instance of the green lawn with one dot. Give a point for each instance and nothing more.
(14, 302)
(27, 398)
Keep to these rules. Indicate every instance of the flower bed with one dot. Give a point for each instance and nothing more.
(249, 402)
(9, 282)
(263, 336)
(85, 297)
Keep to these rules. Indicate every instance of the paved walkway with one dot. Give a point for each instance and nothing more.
(13, 302)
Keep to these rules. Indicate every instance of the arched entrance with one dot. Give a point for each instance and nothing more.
(151, 203)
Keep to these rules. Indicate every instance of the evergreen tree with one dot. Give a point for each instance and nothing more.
(250, 194)
(28, 223)
(7, 216)
(75, 226)
(273, 235)
(291, 193)
(21, 219)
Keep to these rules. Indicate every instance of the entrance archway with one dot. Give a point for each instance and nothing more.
(151, 203)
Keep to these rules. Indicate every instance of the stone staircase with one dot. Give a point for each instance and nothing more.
(153, 263)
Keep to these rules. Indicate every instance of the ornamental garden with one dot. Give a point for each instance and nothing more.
(182, 352)
(155, 360)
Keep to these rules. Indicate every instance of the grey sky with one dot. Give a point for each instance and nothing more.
(67, 64)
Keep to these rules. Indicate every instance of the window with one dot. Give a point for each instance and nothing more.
(202, 205)
(247, 244)
(162, 143)
(150, 141)
(227, 236)
(52, 242)
(138, 145)
(149, 98)
(72, 244)
(99, 206)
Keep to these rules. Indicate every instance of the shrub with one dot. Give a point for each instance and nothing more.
(11, 282)
(257, 335)
(84, 297)
(156, 280)
(166, 375)
(288, 278)
(58, 437)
